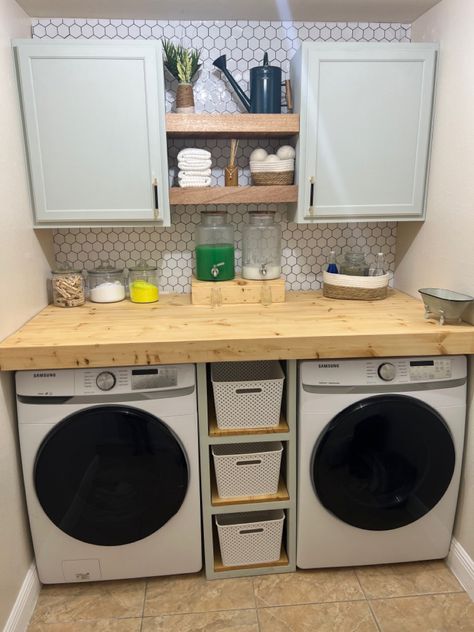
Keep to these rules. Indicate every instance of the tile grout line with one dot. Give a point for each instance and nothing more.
(255, 604)
(369, 605)
(143, 607)
(310, 603)
(425, 594)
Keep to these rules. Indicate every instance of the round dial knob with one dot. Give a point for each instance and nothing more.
(387, 371)
(105, 380)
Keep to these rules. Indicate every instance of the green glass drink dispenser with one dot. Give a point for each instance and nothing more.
(214, 247)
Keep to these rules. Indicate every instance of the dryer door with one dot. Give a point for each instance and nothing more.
(383, 462)
(111, 475)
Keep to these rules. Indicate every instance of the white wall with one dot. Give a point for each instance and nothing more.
(440, 252)
(23, 271)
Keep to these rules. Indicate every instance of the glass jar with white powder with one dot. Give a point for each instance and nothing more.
(106, 284)
(261, 247)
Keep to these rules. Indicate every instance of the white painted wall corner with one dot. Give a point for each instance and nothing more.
(25, 602)
(462, 565)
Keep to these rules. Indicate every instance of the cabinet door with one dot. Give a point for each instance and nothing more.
(95, 131)
(365, 131)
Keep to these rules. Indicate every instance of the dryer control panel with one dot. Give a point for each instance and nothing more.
(382, 371)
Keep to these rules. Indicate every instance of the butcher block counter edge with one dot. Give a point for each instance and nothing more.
(306, 326)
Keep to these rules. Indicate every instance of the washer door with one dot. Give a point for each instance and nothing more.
(383, 462)
(110, 475)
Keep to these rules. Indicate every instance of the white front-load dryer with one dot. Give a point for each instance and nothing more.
(380, 450)
(111, 469)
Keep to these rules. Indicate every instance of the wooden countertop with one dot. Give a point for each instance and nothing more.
(174, 331)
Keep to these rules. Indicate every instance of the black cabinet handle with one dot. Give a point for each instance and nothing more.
(155, 196)
(311, 193)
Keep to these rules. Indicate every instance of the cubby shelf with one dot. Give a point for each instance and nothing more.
(217, 501)
(220, 568)
(284, 499)
(234, 195)
(215, 431)
(232, 125)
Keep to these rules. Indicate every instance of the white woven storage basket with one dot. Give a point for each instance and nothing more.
(250, 538)
(362, 288)
(247, 394)
(247, 469)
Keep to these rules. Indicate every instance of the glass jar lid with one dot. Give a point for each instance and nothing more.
(261, 217)
(354, 257)
(65, 268)
(105, 268)
(213, 218)
(143, 266)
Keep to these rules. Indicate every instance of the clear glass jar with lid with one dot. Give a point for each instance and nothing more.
(143, 283)
(354, 264)
(68, 287)
(106, 284)
(261, 247)
(214, 247)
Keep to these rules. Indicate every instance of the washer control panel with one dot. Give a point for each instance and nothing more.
(424, 370)
(130, 379)
(111, 380)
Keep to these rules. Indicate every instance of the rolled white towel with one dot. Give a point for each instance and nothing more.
(188, 182)
(198, 165)
(205, 173)
(192, 152)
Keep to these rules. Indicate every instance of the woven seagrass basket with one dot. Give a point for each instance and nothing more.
(359, 288)
(267, 178)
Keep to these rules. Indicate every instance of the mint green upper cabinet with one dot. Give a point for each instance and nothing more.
(363, 149)
(94, 122)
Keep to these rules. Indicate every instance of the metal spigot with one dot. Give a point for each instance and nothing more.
(215, 269)
(263, 269)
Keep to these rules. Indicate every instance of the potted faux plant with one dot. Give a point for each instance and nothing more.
(182, 64)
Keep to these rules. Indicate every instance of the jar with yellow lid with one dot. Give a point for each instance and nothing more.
(143, 283)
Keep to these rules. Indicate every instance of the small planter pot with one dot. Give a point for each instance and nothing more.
(184, 98)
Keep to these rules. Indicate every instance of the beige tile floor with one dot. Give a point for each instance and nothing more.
(415, 597)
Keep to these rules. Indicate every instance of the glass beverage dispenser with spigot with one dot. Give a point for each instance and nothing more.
(261, 247)
(214, 247)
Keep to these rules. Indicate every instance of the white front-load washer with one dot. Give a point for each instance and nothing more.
(111, 469)
(380, 450)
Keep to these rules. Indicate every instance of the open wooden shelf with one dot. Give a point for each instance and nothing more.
(234, 195)
(219, 566)
(232, 125)
(214, 431)
(217, 501)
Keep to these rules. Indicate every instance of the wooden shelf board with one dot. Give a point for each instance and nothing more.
(214, 431)
(219, 566)
(234, 195)
(232, 125)
(217, 501)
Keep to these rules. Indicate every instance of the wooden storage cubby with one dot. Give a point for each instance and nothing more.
(284, 499)
(233, 126)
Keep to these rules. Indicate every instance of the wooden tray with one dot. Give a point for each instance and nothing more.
(237, 291)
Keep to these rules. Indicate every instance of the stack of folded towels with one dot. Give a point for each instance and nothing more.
(194, 168)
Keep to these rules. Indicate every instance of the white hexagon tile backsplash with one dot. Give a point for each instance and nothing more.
(305, 247)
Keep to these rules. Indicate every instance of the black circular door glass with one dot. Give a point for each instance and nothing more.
(383, 462)
(110, 475)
